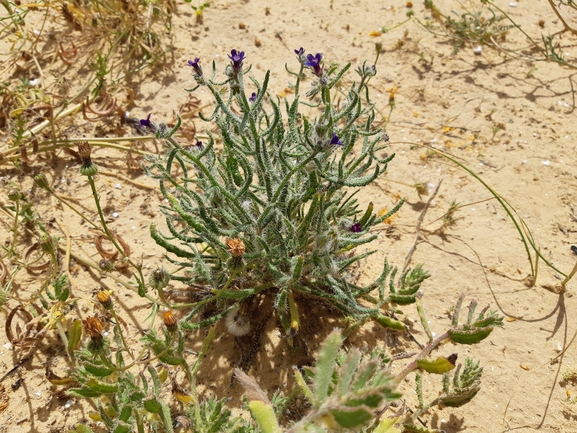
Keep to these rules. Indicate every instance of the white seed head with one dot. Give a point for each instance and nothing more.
(236, 323)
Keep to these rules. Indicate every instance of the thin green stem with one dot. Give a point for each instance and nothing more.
(15, 227)
(109, 235)
(119, 327)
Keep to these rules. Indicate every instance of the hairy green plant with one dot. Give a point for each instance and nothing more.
(347, 388)
(274, 212)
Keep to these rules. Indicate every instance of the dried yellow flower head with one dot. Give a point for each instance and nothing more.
(236, 247)
(93, 327)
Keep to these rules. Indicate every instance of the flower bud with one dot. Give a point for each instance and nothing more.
(48, 244)
(42, 182)
(15, 195)
(159, 279)
(106, 265)
(170, 321)
(104, 298)
(87, 168)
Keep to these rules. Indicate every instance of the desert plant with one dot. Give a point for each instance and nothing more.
(268, 207)
(347, 388)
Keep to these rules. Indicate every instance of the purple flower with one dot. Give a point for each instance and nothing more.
(356, 228)
(314, 62)
(199, 145)
(146, 122)
(252, 97)
(195, 64)
(335, 140)
(300, 52)
(236, 57)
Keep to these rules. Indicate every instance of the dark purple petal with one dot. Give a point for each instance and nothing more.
(199, 145)
(314, 62)
(300, 51)
(236, 57)
(195, 64)
(146, 122)
(252, 97)
(335, 140)
(356, 228)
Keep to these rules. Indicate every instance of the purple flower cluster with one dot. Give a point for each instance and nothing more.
(236, 57)
(314, 62)
(195, 64)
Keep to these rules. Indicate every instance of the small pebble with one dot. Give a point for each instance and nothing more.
(546, 162)
(513, 4)
(478, 49)
(115, 214)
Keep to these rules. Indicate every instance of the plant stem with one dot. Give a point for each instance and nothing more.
(424, 353)
(111, 238)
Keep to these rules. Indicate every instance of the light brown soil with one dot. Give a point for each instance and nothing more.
(510, 121)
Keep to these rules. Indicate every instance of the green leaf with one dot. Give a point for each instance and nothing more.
(263, 414)
(152, 405)
(387, 426)
(303, 386)
(74, 334)
(83, 393)
(469, 336)
(352, 418)
(441, 365)
(348, 369)
(97, 370)
(121, 428)
(387, 322)
(125, 413)
(324, 367)
(102, 387)
(81, 428)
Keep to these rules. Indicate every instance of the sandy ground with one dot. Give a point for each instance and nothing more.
(511, 121)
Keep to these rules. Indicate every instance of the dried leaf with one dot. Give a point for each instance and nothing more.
(253, 390)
